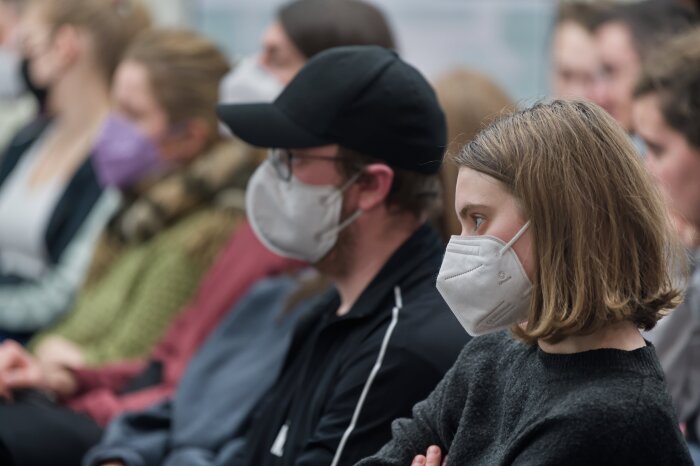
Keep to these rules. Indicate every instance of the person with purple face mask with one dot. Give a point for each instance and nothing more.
(161, 148)
(52, 206)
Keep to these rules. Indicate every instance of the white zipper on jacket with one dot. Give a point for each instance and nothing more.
(398, 304)
(278, 445)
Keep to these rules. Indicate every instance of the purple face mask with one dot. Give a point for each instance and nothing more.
(123, 154)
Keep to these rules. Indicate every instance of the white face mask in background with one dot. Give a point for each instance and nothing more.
(484, 283)
(294, 219)
(11, 83)
(249, 82)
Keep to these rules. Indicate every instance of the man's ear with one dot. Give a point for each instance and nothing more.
(374, 186)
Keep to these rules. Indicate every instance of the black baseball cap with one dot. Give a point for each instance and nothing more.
(364, 98)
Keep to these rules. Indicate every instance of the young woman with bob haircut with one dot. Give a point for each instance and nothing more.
(567, 242)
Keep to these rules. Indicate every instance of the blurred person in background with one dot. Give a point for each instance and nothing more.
(306, 27)
(625, 36)
(666, 113)
(182, 191)
(575, 65)
(301, 29)
(17, 107)
(52, 206)
(470, 100)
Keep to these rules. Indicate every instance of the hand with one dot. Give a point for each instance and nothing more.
(433, 458)
(18, 369)
(60, 351)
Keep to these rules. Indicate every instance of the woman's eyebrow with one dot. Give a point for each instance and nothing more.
(464, 211)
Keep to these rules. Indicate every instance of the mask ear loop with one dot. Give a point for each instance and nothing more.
(517, 236)
(345, 223)
(343, 188)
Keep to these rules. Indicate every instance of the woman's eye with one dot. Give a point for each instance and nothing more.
(477, 222)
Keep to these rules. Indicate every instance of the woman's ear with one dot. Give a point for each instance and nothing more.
(69, 44)
(374, 186)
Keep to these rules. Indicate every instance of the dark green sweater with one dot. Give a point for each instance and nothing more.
(507, 403)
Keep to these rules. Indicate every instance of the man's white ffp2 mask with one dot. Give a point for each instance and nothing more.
(294, 219)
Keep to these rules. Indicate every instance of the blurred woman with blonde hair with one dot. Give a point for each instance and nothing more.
(52, 206)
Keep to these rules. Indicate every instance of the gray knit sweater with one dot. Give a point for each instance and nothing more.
(507, 403)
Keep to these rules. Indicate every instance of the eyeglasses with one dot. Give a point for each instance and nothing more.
(283, 161)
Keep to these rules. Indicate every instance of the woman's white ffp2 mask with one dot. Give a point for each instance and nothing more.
(484, 283)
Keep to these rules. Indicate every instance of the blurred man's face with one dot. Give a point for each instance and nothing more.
(575, 62)
(671, 159)
(620, 67)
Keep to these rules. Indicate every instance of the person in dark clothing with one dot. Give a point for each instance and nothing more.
(574, 382)
(350, 193)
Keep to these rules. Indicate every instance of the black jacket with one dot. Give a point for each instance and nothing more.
(349, 377)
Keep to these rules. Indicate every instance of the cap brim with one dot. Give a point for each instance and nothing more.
(265, 125)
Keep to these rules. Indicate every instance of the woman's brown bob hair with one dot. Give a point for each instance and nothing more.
(603, 247)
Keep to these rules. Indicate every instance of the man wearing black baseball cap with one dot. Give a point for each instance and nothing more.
(357, 139)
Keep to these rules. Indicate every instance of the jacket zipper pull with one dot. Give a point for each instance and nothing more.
(278, 445)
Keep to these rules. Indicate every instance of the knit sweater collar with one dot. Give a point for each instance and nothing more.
(642, 361)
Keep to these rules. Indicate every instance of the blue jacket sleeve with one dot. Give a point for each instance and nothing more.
(136, 439)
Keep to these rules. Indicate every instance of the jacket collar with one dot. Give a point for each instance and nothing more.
(415, 260)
